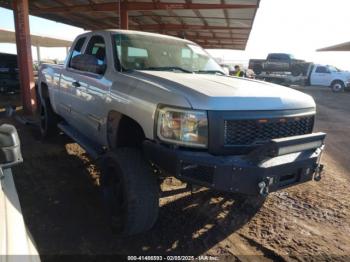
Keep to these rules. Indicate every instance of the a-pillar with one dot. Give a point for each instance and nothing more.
(24, 55)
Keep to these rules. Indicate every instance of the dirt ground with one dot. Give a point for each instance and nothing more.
(62, 207)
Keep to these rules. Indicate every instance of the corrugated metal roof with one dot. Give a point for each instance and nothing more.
(339, 47)
(7, 36)
(211, 23)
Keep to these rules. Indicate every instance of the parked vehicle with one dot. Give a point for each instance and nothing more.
(315, 75)
(278, 62)
(14, 238)
(9, 81)
(331, 76)
(141, 102)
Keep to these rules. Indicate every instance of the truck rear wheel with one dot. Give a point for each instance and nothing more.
(337, 86)
(130, 191)
(48, 119)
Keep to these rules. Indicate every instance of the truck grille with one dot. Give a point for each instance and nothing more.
(251, 132)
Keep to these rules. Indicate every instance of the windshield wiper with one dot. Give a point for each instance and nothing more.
(210, 72)
(167, 68)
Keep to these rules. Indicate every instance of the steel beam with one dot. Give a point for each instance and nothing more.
(189, 27)
(24, 55)
(139, 6)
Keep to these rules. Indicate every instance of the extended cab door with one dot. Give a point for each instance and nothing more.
(96, 88)
(321, 76)
(86, 90)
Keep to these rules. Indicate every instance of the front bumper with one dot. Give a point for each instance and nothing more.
(279, 164)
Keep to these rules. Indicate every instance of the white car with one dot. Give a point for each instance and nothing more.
(14, 238)
(331, 76)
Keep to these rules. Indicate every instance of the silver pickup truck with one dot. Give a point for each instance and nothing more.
(147, 104)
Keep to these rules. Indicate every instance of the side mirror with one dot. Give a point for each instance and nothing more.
(10, 146)
(87, 63)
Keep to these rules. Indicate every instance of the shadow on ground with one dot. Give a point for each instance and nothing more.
(63, 209)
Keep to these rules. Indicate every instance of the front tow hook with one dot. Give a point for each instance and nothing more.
(318, 172)
(264, 186)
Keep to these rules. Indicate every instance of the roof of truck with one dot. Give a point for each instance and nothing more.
(135, 32)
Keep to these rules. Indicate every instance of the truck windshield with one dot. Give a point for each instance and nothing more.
(333, 69)
(149, 52)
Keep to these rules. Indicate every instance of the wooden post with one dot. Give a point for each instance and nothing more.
(124, 18)
(24, 55)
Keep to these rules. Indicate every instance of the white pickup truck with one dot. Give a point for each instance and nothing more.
(325, 75)
(147, 104)
(16, 243)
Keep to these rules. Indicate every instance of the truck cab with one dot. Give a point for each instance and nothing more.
(277, 62)
(326, 75)
(9, 81)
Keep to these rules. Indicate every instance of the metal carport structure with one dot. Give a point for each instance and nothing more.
(339, 47)
(210, 23)
(7, 36)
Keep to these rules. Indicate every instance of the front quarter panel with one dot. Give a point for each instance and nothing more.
(138, 99)
(50, 76)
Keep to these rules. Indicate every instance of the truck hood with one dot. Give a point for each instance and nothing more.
(342, 73)
(214, 92)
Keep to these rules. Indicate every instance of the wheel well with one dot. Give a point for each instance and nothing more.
(337, 80)
(123, 131)
(44, 91)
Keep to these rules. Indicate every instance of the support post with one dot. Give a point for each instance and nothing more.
(38, 56)
(124, 17)
(24, 55)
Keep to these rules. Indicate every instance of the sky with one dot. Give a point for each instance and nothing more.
(298, 27)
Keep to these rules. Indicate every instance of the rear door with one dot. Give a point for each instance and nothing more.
(321, 76)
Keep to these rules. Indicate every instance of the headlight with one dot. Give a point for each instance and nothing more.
(183, 127)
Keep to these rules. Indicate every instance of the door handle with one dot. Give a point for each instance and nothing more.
(76, 84)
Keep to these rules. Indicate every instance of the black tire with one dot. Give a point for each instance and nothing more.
(48, 120)
(297, 70)
(257, 69)
(130, 191)
(338, 86)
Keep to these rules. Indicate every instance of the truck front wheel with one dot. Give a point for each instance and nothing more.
(130, 191)
(337, 86)
(48, 119)
(258, 69)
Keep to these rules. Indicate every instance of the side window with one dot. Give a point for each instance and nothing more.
(321, 69)
(77, 48)
(285, 58)
(274, 57)
(97, 48)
